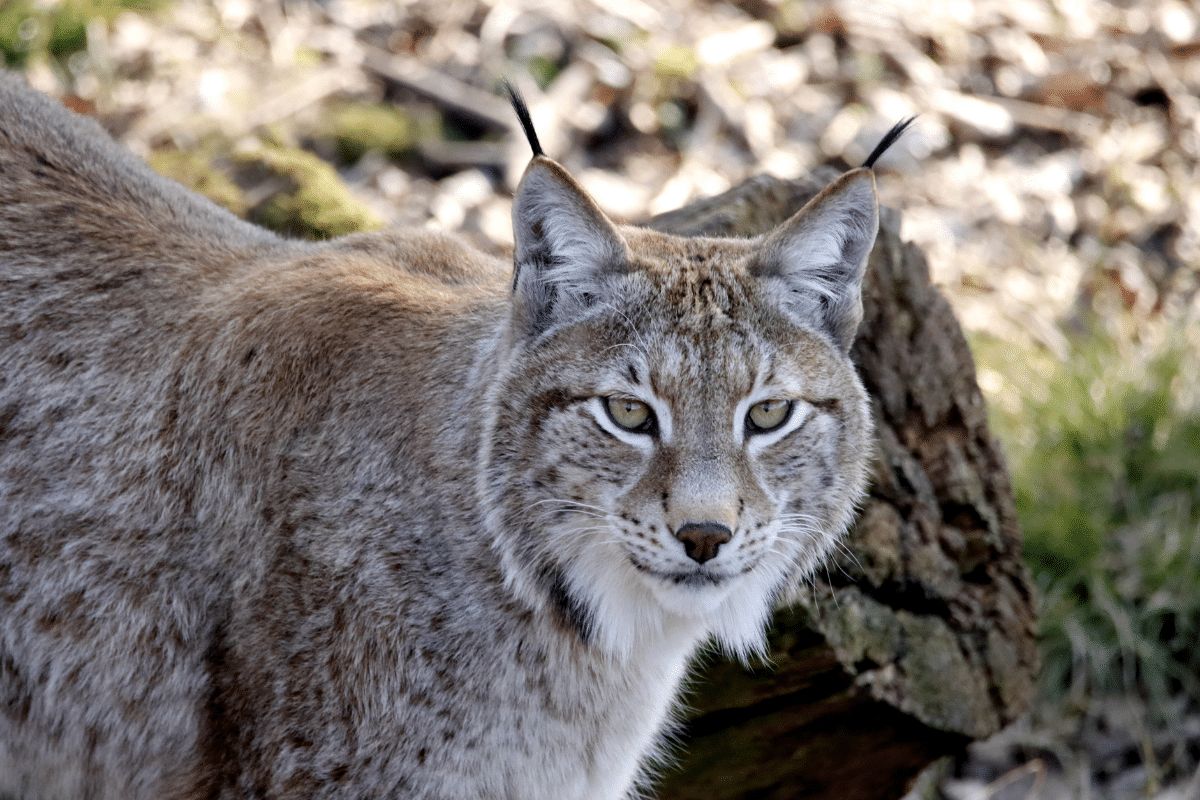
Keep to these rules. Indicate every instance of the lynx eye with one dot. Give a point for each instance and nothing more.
(632, 415)
(767, 415)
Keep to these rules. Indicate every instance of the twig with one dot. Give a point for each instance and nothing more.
(1036, 767)
(450, 93)
(464, 155)
(1023, 112)
(1049, 118)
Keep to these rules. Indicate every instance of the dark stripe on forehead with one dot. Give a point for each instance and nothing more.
(830, 405)
(541, 405)
(553, 399)
(655, 388)
(770, 376)
(540, 409)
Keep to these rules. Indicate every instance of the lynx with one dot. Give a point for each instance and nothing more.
(385, 516)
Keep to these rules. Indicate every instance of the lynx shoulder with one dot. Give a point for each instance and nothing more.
(386, 516)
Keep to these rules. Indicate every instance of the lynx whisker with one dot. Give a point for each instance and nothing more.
(569, 503)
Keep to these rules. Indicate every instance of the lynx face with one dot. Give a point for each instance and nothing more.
(680, 433)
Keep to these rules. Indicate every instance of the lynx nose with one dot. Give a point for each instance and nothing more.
(702, 540)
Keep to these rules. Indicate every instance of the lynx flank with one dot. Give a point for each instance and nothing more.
(386, 516)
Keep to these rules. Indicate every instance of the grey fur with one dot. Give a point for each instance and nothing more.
(322, 520)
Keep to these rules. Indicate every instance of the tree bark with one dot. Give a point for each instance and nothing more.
(921, 637)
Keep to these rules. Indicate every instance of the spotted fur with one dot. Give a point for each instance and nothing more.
(348, 519)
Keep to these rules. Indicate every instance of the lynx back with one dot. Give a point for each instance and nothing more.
(386, 516)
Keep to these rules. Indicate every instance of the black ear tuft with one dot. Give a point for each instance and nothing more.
(889, 139)
(518, 104)
(565, 250)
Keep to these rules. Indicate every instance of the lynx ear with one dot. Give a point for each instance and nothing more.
(565, 248)
(817, 258)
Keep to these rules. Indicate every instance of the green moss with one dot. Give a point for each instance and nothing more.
(1104, 448)
(20, 31)
(543, 70)
(30, 29)
(315, 204)
(195, 170)
(309, 199)
(358, 128)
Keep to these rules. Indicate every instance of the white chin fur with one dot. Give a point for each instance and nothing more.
(693, 601)
(632, 611)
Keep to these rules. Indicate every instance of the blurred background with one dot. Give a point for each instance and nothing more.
(1052, 179)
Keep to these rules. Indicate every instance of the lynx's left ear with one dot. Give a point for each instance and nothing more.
(817, 258)
(565, 248)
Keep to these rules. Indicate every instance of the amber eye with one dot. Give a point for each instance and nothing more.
(632, 415)
(767, 415)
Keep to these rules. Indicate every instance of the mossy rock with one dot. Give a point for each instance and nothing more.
(196, 170)
(30, 29)
(314, 202)
(309, 198)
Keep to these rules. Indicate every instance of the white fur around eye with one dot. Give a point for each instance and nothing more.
(757, 441)
(642, 440)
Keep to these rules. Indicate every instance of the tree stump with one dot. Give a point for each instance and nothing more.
(920, 638)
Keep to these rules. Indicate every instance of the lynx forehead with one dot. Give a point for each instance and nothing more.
(385, 516)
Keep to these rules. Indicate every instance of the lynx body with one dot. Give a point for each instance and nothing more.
(370, 518)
